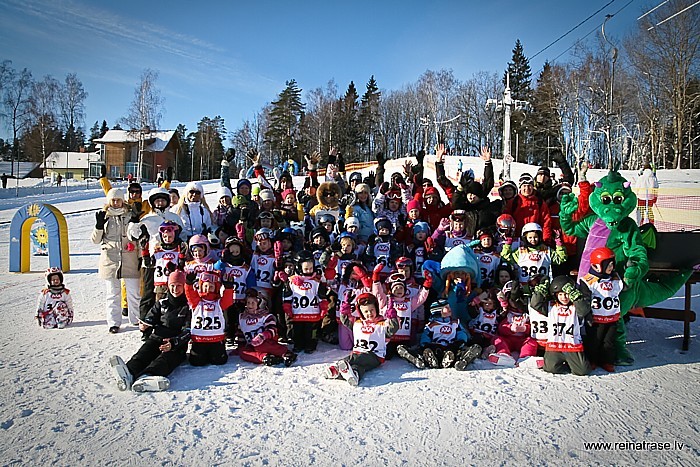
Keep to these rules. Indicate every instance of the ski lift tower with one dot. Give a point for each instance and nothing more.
(506, 105)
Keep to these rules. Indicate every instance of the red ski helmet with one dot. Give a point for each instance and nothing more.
(602, 257)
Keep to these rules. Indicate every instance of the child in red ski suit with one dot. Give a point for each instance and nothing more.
(259, 329)
(514, 330)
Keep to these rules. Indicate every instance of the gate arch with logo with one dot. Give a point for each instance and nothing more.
(20, 241)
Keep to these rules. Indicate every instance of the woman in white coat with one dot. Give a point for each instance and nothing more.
(118, 259)
(194, 212)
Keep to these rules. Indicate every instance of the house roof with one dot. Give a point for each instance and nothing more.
(158, 139)
(71, 160)
(23, 170)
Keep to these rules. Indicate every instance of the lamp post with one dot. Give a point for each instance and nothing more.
(506, 105)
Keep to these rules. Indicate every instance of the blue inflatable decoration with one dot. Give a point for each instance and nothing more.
(20, 238)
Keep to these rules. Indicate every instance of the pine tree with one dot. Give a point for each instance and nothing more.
(209, 146)
(104, 128)
(94, 134)
(520, 87)
(370, 118)
(184, 160)
(348, 129)
(284, 129)
(544, 122)
(520, 74)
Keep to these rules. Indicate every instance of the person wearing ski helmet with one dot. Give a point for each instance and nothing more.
(488, 257)
(444, 342)
(54, 307)
(263, 261)
(371, 330)
(259, 328)
(408, 306)
(566, 309)
(382, 247)
(354, 180)
(119, 259)
(533, 257)
(601, 288)
(208, 324)
(514, 329)
(201, 260)
(305, 304)
(505, 227)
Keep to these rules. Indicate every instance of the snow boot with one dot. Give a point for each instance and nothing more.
(430, 359)
(488, 351)
(348, 373)
(467, 356)
(409, 357)
(448, 359)
(150, 383)
(114, 329)
(331, 371)
(289, 358)
(502, 359)
(124, 376)
(272, 360)
(530, 362)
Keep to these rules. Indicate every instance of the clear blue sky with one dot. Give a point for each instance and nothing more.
(230, 58)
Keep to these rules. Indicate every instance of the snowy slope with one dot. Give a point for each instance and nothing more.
(59, 404)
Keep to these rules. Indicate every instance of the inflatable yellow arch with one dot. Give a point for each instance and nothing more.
(20, 241)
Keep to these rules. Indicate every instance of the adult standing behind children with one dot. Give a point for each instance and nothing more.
(118, 258)
(194, 211)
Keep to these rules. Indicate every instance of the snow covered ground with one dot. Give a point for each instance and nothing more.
(59, 404)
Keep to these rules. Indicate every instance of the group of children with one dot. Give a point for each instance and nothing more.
(268, 296)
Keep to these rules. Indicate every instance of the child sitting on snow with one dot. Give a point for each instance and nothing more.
(370, 332)
(443, 343)
(54, 307)
(166, 346)
(514, 329)
(259, 329)
(565, 309)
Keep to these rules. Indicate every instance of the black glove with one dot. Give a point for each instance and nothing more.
(384, 188)
(191, 278)
(245, 213)
(144, 237)
(341, 163)
(169, 175)
(420, 155)
(231, 155)
(103, 170)
(171, 267)
(370, 179)
(174, 341)
(100, 219)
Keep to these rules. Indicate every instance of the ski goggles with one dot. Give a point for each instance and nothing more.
(195, 192)
(404, 262)
(458, 215)
(262, 236)
(209, 277)
(393, 195)
(167, 229)
(265, 215)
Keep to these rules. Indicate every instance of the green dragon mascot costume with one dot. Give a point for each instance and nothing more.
(609, 225)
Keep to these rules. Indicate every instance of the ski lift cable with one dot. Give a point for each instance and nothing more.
(591, 31)
(657, 6)
(674, 15)
(572, 29)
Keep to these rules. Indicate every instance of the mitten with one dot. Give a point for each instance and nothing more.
(376, 273)
(573, 293)
(103, 170)
(428, 282)
(171, 267)
(429, 244)
(345, 308)
(384, 188)
(281, 276)
(380, 158)
(390, 313)
(224, 163)
(557, 238)
(219, 265)
(543, 287)
(568, 205)
(100, 219)
(509, 240)
(191, 278)
(240, 231)
(278, 250)
(502, 300)
(257, 340)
